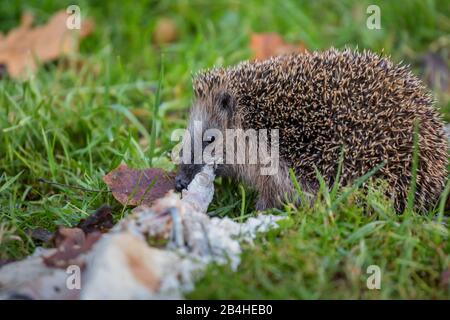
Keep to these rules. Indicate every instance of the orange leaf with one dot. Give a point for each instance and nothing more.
(165, 31)
(266, 45)
(22, 48)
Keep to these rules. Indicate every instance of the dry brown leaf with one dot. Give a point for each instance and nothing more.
(70, 243)
(135, 187)
(24, 47)
(165, 31)
(101, 220)
(266, 45)
(74, 236)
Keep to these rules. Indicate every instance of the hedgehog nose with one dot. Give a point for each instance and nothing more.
(180, 183)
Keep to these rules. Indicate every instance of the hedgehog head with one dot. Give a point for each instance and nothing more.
(212, 112)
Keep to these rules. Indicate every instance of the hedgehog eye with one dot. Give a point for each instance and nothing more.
(225, 100)
(211, 139)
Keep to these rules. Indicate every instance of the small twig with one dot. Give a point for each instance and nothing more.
(42, 180)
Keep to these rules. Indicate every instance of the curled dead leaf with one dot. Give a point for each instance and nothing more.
(72, 236)
(70, 244)
(101, 220)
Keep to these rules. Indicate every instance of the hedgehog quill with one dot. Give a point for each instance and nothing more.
(323, 105)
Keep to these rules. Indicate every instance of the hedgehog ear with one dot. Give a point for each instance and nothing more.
(225, 100)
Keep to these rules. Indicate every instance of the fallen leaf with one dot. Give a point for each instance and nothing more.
(165, 31)
(101, 220)
(266, 45)
(135, 187)
(71, 243)
(69, 236)
(24, 47)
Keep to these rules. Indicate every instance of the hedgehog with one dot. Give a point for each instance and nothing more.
(356, 109)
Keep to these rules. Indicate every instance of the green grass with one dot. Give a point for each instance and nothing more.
(317, 253)
(74, 122)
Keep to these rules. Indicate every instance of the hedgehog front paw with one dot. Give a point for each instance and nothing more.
(261, 204)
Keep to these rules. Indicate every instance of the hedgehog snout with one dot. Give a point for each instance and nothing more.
(185, 174)
(181, 183)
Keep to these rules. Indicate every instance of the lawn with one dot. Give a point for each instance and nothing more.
(77, 119)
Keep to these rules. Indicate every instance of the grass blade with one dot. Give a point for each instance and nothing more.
(10, 182)
(297, 187)
(358, 182)
(155, 111)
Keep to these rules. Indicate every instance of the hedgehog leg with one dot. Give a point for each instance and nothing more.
(262, 203)
(273, 190)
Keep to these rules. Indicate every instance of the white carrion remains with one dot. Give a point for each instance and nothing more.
(156, 252)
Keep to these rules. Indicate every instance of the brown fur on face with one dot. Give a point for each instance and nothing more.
(322, 103)
(218, 111)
